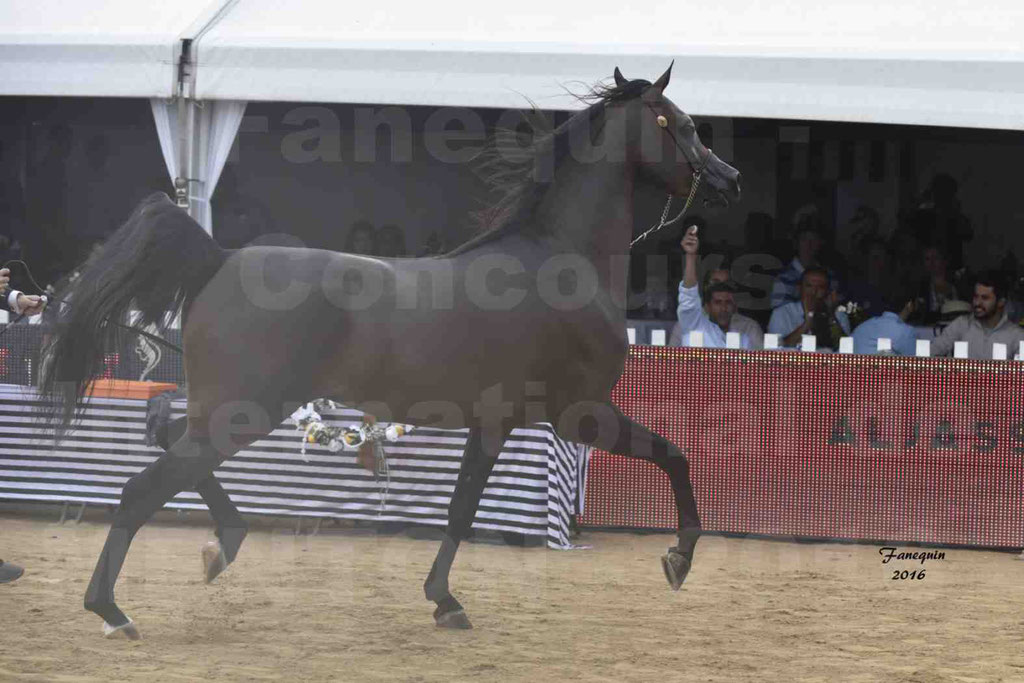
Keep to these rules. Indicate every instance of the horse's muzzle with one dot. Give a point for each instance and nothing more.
(723, 180)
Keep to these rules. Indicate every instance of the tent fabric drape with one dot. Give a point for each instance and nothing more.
(216, 124)
(165, 116)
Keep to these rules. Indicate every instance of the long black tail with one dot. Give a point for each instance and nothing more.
(156, 263)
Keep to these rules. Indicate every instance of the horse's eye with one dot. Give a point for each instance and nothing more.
(662, 121)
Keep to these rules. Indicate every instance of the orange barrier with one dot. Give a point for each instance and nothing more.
(124, 388)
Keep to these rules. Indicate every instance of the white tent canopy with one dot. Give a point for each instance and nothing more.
(953, 63)
(843, 60)
(114, 48)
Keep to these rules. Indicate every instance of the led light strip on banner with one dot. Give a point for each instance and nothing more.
(824, 445)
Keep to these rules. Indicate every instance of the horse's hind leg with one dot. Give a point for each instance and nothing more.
(177, 470)
(231, 528)
(477, 463)
(623, 436)
(210, 438)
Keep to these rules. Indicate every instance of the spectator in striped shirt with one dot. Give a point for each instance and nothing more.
(813, 314)
(809, 243)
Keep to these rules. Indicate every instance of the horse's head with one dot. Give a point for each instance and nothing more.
(669, 151)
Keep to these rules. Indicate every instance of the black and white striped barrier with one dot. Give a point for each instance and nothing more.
(536, 487)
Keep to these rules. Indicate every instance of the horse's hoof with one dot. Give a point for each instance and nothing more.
(214, 561)
(676, 567)
(456, 619)
(128, 630)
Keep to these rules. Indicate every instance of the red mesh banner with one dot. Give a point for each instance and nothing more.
(827, 445)
(110, 362)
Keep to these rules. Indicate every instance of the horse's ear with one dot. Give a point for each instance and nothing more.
(620, 80)
(662, 82)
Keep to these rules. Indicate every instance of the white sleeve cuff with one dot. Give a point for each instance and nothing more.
(690, 294)
(12, 301)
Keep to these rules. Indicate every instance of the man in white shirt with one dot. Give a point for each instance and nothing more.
(740, 323)
(721, 308)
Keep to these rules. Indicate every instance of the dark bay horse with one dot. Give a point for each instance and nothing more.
(525, 323)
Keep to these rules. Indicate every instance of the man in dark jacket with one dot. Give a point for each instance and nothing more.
(16, 301)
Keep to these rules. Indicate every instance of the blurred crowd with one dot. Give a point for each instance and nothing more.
(809, 277)
(911, 281)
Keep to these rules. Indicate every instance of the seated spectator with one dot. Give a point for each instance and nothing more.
(891, 324)
(906, 250)
(813, 314)
(986, 326)
(870, 289)
(1015, 302)
(809, 242)
(361, 239)
(239, 217)
(939, 220)
(757, 232)
(9, 249)
(951, 310)
(433, 246)
(739, 322)
(938, 287)
(864, 226)
(391, 242)
(721, 305)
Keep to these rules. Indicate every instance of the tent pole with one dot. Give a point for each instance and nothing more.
(181, 183)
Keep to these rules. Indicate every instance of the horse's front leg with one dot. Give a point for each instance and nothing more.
(477, 463)
(621, 435)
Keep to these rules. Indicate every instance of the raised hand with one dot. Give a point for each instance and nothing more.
(691, 243)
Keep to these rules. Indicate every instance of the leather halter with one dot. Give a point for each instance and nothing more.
(697, 173)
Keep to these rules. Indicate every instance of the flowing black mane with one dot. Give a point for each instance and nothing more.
(512, 163)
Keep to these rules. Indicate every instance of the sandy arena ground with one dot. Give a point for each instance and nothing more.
(348, 606)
